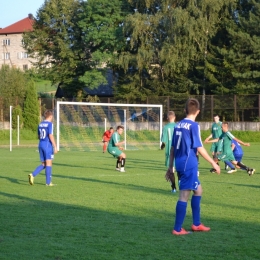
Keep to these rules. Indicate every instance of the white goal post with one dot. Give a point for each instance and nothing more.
(72, 117)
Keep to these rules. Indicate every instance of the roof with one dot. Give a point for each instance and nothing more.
(21, 26)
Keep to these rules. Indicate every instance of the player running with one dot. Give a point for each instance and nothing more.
(225, 152)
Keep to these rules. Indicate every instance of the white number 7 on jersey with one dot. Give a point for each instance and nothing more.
(179, 134)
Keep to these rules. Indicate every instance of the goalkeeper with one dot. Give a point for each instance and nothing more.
(115, 148)
(166, 140)
(106, 137)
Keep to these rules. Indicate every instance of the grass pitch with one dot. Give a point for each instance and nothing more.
(95, 212)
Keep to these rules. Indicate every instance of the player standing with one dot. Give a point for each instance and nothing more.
(115, 148)
(106, 137)
(47, 147)
(216, 131)
(166, 140)
(185, 144)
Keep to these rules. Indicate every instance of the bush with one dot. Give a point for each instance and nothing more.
(31, 108)
(17, 111)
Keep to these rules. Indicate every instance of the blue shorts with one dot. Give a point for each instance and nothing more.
(238, 157)
(189, 179)
(46, 153)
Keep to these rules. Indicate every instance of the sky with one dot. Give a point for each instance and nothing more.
(12, 11)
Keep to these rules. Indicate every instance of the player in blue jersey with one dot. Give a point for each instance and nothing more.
(166, 140)
(47, 148)
(186, 142)
(115, 148)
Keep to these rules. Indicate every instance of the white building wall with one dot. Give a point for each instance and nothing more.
(17, 57)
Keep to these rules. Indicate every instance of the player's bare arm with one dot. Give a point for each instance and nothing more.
(53, 143)
(241, 142)
(211, 141)
(169, 172)
(210, 136)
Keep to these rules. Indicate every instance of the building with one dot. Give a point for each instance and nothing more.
(12, 52)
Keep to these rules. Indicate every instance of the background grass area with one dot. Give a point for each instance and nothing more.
(95, 212)
(45, 86)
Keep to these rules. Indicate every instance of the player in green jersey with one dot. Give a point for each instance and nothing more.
(115, 148)
(216, 131)
(166, 140)
(225, 152)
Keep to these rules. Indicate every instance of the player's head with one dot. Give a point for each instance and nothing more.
(192, 106)
(120, 129)
(224, 126)
(48, 114)
(111, 129)
(216, 118)
(171, 116)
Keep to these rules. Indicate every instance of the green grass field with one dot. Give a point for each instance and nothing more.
(95, 212)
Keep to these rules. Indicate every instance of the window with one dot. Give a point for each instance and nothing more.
(6, 56)
(6, 42)
(25, 67)
(22, 55)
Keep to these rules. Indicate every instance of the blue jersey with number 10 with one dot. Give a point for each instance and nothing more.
(186, 140)
(44, 129)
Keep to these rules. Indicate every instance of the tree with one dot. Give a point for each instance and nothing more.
(243, 56)
(167, 42)
(13, 86)
(55, 41)
(74, 37)
(31, 110)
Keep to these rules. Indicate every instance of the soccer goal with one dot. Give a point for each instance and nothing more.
(80, 125)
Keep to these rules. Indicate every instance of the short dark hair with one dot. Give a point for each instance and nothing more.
(120, 126)
(215, 115)
(111, 128)
(48, 113)
(192, 106)
(170, 113)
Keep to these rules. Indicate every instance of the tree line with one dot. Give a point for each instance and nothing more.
(153, 47)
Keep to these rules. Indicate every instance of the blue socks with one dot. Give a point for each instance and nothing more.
(181, 207)
(38, 170)
(48, 171)
(230, 165)
(195, 206)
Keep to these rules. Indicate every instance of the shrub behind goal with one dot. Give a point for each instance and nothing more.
(80, 125)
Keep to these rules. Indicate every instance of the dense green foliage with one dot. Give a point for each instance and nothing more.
(97, 213)
(154, 47)
(12, 86)
(31, 111)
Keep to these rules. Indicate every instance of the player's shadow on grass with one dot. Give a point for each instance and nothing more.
(12, 180)
(239, 184)
(128, 186)
(68, 165)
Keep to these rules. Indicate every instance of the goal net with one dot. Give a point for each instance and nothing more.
(80, 125)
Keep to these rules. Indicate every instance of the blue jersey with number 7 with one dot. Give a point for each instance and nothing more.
(44, 129)
(186, 140)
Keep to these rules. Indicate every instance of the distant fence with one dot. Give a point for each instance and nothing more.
(232, 108)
